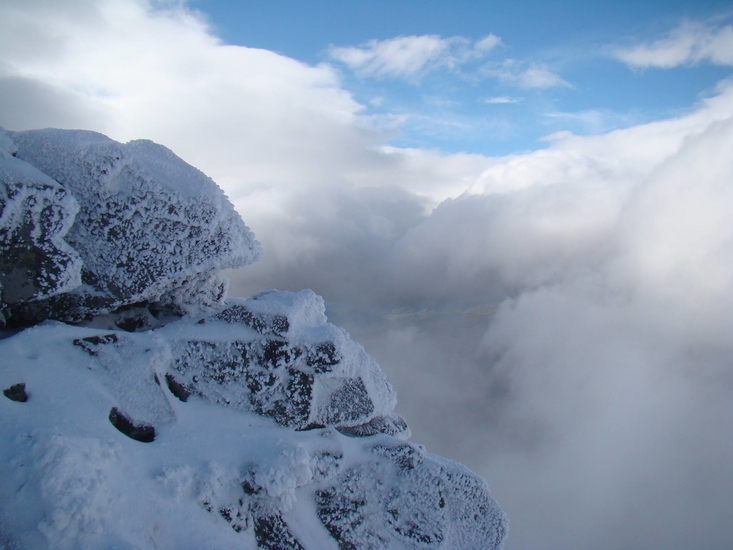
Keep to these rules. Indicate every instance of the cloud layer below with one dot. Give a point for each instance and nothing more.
(562, 326)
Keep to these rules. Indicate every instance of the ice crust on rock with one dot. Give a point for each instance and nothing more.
(150, 228)
(176, 418)
(36, 213)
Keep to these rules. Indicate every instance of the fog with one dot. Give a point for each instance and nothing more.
(558, 320)
(562, 328)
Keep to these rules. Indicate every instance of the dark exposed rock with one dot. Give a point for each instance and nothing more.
(343, 509)
(139, 432)
(262, 323)
(32, 265)
(322, 357)
(249, 485)
(280, 377)
(298, 382)
(131, 322)
(16, 392)
(91, 344)
(236, 516)
(272, 533)
(268, 369)
(176, 388)
(348, 404)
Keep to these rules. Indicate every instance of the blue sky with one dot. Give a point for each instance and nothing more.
(482, 105)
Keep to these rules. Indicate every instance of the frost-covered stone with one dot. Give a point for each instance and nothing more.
(399, 496)
(16, 392)
(275, 355)
(150, 228)
(36, 213)
(391, 424)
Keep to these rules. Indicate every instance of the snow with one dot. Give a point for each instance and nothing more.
(71, 479)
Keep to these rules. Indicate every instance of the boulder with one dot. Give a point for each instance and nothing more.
(150, 229)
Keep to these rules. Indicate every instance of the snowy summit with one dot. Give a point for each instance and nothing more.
(143, 408)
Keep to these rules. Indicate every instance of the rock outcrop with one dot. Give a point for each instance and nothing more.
(161, 414)
(149, 229)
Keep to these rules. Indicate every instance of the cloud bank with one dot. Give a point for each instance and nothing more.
(558, 320)
(562, 326)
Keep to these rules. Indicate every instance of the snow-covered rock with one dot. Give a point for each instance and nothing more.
(211, 459)
(149, 229)
(275, 355)
(36, 213)
(253, 424)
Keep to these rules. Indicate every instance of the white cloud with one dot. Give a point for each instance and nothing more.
(487, 43)
(500, 100)
(411, 56)
(602, 267)
(121, 68)
(525, 75)
(594, 121)
(689, 44)
(613, 349)
(264, 126)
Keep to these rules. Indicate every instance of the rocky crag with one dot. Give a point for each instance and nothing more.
(143, 408)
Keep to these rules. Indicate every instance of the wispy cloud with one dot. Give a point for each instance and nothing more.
(525, 75)
(593, 121)
(689, 44)
(412, 56)
(501, 100)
